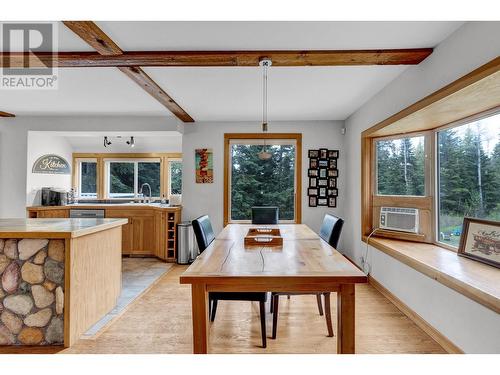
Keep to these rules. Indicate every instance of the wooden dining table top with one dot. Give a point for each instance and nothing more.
(303, 256)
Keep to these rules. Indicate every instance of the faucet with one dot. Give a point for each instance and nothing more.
(146, 200)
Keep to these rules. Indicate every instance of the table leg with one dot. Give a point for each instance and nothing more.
(199, 297)
(345, 319)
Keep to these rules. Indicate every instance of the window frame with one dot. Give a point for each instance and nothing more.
(295, 137)
(102, 183)
(77, 170)
(169, 174)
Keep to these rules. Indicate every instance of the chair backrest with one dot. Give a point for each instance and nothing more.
(203, 232)
(265, 215)
(331, 229)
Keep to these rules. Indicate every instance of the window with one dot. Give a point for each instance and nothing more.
(87, 178)
(468, 175)
(400, 166)
(126, 177)
(175, 177)
(253, 181)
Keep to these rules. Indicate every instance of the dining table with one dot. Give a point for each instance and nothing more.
(302, 263)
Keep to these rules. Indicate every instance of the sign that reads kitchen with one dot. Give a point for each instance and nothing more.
(51, 164)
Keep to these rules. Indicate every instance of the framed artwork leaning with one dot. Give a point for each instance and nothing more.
(480, 241)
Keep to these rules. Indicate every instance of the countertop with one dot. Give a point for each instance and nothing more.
(55, 228)
(83, 205)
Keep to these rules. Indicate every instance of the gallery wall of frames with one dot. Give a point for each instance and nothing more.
(323, 174)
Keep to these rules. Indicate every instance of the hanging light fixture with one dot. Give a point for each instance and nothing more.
(131, 142)
(265, 64)
(106, 142)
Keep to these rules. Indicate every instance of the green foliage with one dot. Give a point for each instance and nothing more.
(176, 177)
(121, 178)
(149, 173)
(256, 182)
(89, 177)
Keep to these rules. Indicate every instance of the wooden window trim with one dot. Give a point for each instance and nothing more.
(486, 71)
(297, 137)
(101, 159)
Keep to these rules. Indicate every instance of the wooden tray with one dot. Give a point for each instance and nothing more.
(263, 237)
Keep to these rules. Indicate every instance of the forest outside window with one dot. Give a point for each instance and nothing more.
(400, 166)
(254, 181)
(175, 177)
(87, 178)
(125, 178)
(468, 175)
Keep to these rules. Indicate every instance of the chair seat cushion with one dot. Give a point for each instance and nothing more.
(239, 296)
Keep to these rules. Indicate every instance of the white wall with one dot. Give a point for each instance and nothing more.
(40, 144)
(14, 147)
(200, 199)
(469, 325)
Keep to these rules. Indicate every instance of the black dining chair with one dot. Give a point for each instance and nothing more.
(205, 236)
(265, 215)
(330, 232)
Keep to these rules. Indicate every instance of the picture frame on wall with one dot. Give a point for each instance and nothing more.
(323, 163)
(332, 182)
(322, 182)
(323, 172)
(332, 202)
(332, 163)
(480, 241)
(313, 163)
(322, 201)
(333, 173)
(313, 201)
(312, 191)
(322, 192)
(313, 154)
(323, 153)
(333, 154)
(333, 192)
(313, 172)
(313, 182)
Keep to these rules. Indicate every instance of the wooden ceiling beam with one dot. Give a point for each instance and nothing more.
(106, 47)
(108, 58)
(6, 114)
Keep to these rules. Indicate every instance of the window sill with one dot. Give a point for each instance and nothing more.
(477, 281)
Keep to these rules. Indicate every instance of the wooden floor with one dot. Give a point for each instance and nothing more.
(160, 322)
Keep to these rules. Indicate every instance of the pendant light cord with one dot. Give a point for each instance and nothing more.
(264, 96)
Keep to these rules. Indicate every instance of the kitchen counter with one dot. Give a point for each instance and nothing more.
(55, 228)
(58, 277)
(103, 206)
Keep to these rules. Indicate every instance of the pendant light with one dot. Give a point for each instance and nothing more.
(265, 64)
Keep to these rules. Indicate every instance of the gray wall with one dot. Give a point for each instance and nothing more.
(469, 325)
(199, 199)
(14, 143)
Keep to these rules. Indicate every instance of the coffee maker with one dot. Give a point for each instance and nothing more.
(53, 197)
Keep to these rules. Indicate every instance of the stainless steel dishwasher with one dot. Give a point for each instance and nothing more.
(86, 214)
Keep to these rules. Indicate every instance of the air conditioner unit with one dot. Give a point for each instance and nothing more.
(400, 219)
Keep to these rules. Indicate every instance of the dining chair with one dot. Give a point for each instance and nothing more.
(265, 215)
(330, 231)
(204, 234)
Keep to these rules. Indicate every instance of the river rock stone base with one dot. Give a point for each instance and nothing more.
(31, 292)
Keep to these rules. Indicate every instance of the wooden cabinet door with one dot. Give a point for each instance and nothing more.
(143, 238)
(127, 229)
(49, 214)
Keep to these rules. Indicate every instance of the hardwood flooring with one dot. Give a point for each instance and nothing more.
(160, 322)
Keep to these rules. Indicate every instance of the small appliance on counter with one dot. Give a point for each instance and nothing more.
(54, 197)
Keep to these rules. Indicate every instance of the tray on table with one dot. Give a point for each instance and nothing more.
(263, 237)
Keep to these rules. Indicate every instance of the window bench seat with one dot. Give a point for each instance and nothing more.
(477, 281)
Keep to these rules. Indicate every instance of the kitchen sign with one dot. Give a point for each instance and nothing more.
(51, 164)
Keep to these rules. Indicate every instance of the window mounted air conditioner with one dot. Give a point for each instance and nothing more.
(400, 219)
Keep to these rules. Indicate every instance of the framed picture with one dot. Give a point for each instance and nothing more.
(333, 154)
(332, 202)
(313, 182)
(333, 172)
(332, 182)
(322, 202)
(204, 166)
(322, 172)
(313, 154)
(313, 173)
(480, 241)
(332, 163)
(313, 201)
(322, 182)
(323, 153)
(322, 192)
(313, 163)
(323, 163)
(333, 192)
(312, 191)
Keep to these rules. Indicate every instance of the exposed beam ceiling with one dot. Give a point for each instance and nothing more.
(95, 37)
(6, 114)
(109, 57)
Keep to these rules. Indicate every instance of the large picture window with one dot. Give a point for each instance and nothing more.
(125, 178)
(258, 181)
(468, 175)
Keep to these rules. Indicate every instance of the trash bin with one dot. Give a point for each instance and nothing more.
(187, 249)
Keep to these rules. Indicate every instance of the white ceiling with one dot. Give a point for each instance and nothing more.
(232, 94)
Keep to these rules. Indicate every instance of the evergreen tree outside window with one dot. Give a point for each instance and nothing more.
(401, 166)
(88, 179)
(125, 178)
(175, 168)
(256, 182)
(468, 175)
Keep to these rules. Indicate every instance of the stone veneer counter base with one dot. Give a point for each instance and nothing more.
(57, 277)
